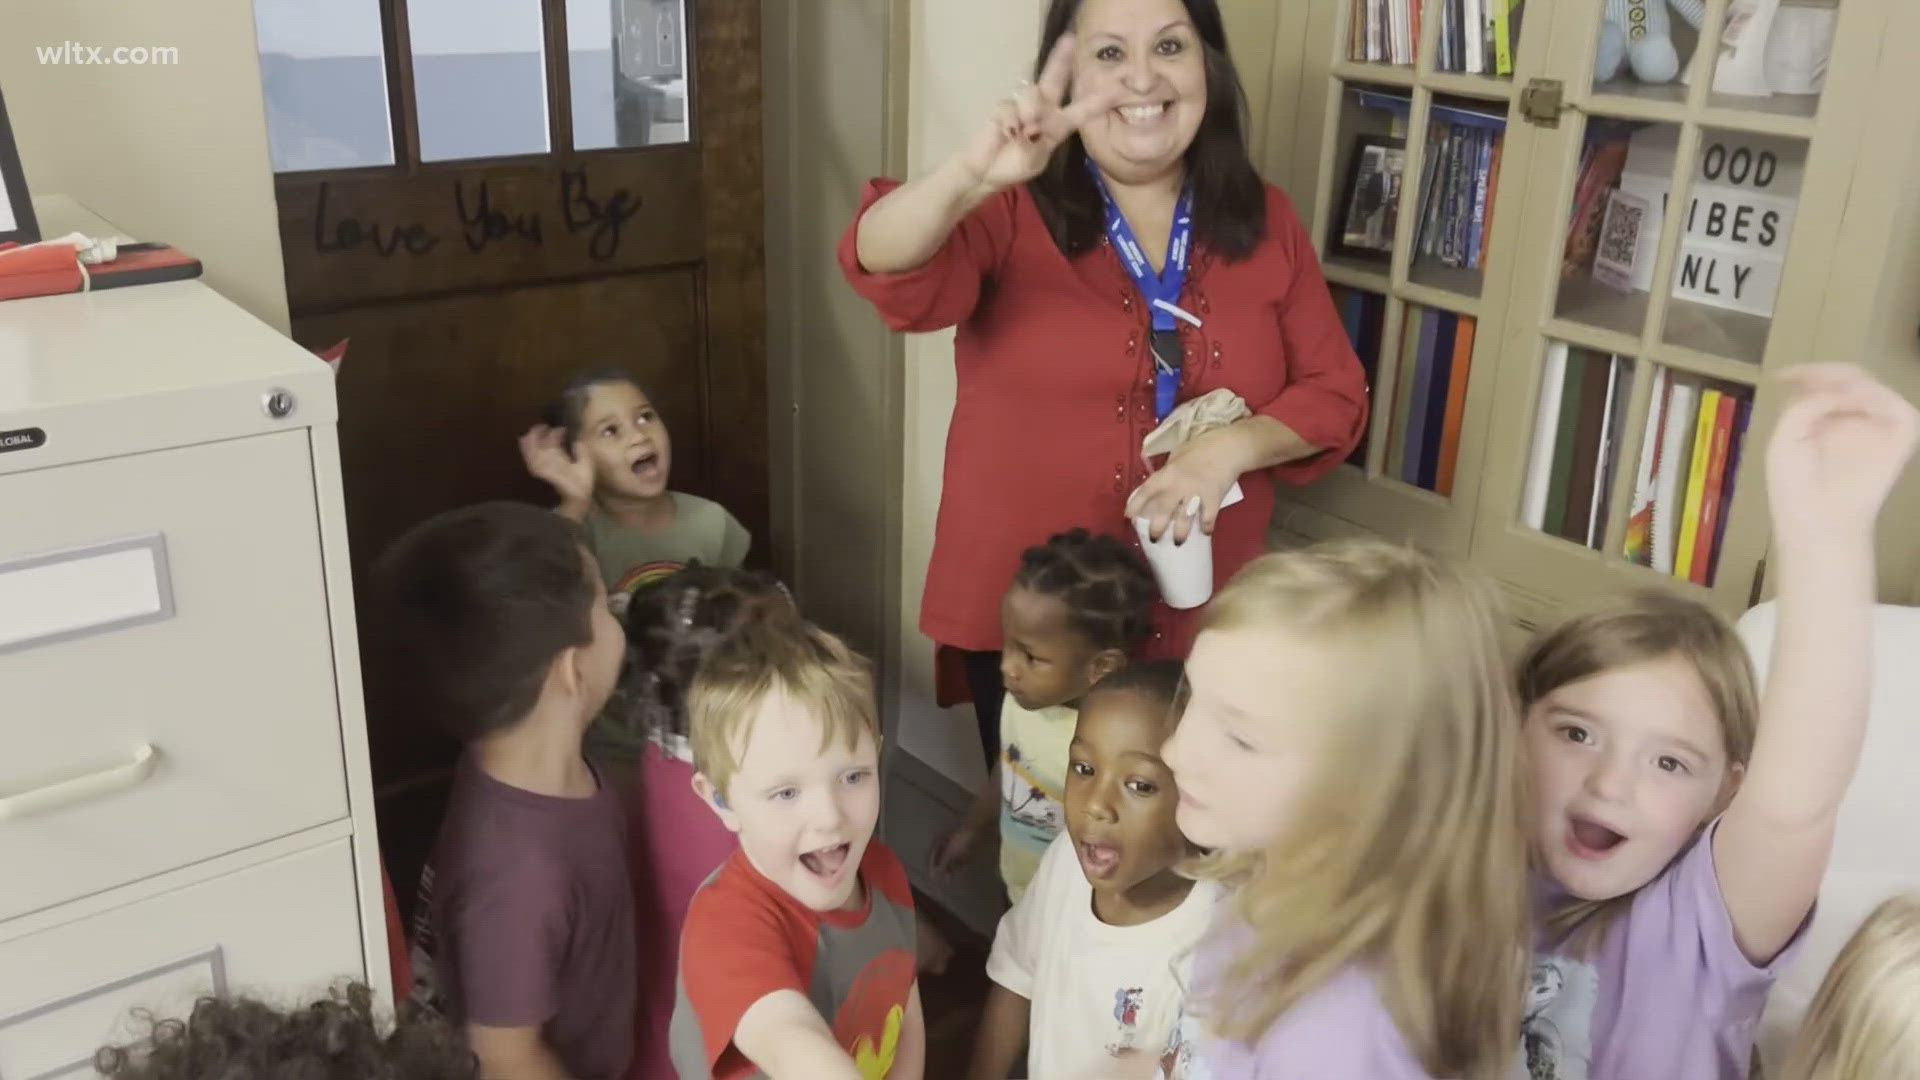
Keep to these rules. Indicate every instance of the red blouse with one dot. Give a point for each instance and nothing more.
(1055, 390)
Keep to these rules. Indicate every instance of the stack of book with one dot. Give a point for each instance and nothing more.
(1384, 31)
(1603, 158)
(1429, 398)
(1477, 36)
(1459, 181)
(1689, 457)
(1580, 415)
(1364, 315)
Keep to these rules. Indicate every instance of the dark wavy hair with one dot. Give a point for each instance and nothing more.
(1229, 198)
(568, 411)
(673, 623)
(1162, 682)
(1105, 585)
(470, 608)
(335, 1038)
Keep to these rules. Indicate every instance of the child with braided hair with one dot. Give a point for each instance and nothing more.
(673, 624)
(1080, 608)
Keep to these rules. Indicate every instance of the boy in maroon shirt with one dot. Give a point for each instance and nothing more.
(495, 619)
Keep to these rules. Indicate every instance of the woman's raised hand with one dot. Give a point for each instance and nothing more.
(1015, 145)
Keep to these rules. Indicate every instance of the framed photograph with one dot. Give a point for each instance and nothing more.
(16, 210)
(1370, 202)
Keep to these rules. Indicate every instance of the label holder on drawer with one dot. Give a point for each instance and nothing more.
(207, 964)
(82, 591)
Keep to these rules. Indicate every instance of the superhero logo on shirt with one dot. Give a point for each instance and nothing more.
(870, 1018)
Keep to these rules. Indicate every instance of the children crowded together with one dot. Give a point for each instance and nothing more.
(1347, 836)
(1326, 826)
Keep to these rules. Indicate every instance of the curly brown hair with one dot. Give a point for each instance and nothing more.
(672, 625)
(1107, 589)
(335, 1038)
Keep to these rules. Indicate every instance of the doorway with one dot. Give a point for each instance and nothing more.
(485, 195)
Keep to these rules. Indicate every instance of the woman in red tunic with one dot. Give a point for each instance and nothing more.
(1137, 117)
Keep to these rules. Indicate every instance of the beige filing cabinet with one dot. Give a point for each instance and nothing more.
(185, 803)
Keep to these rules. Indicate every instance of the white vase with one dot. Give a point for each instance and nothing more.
(1798, 47)
(1742, 63)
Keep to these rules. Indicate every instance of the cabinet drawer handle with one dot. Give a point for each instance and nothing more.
(93, 785)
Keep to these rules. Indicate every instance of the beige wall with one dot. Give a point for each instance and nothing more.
(1875, 296)
(175, 153)
(962, 58)
(834, 371)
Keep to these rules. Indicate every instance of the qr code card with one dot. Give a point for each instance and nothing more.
(1621, 247)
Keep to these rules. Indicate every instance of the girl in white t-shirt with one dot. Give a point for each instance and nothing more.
(1090, 964)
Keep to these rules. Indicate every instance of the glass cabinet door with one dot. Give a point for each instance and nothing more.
(1655, 294)
(1408, 108)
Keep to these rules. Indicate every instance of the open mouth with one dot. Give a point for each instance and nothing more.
(647, 465)
(827, 862)
(1590, 839)
(1099, 860)
(1142, 114)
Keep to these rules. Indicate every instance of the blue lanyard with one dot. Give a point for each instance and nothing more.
(1161, 291)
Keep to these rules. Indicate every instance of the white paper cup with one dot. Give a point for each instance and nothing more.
(1184, 572)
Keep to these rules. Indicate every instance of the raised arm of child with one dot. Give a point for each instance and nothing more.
(543, 448)
(1840, 443)
(788, 1039)
(514, 1053)
(1003, 1034)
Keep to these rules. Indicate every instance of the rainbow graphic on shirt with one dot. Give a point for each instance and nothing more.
(646, 574)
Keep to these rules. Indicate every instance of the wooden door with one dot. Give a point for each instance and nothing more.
(471, 286)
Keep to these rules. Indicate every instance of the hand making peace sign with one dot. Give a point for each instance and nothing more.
(1015, 144)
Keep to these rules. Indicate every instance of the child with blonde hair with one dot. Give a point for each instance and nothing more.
(1865, 1021)
(1681, 829)
(672, 626)
(1349, 753)
(796, 959)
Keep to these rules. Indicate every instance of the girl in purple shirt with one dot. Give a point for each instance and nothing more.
(1350, 755)
(1682, 823)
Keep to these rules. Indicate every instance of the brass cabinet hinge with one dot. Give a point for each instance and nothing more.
(1542, 101)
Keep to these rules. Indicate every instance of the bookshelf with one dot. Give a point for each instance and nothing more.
(1633, 267)
(1446, 276)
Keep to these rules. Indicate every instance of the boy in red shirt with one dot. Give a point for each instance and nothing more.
(797, 957)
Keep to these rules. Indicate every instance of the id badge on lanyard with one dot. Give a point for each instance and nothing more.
(1160, 291)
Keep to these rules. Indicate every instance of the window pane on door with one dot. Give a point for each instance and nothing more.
(323, 69)
(479, 77)
(628, 60)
